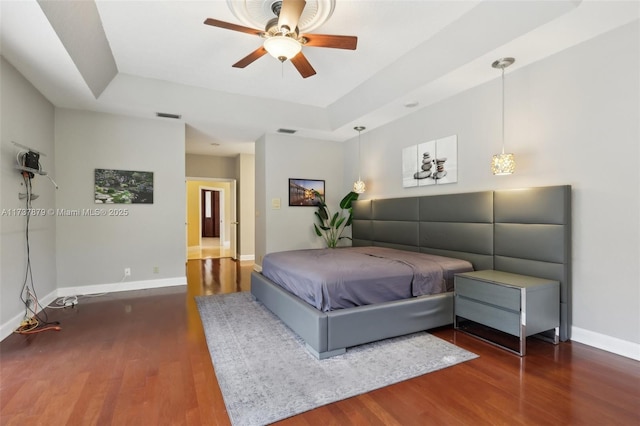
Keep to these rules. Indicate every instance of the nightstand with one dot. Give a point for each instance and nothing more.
(518, 305)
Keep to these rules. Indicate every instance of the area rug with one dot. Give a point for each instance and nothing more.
(266, 374)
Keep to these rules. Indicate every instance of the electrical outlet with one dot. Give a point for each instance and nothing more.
(127, 272)
(156, 270)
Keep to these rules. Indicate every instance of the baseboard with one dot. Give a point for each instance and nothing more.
(8, 327)
(121, 286)
(606, 343)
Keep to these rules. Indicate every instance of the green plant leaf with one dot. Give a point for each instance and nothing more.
(320, 197)
(348, 199)
(333, 219)
(323, 213)
(331, 226)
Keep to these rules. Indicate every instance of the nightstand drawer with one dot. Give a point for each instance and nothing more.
(498, 295)
(494, 317)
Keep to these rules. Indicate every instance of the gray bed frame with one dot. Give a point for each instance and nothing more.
(524, 231)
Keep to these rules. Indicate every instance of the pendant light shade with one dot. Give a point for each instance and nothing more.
(282, 47)
(503, 164)
(359, 186)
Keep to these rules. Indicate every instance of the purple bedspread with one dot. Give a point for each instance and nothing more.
(338, 278)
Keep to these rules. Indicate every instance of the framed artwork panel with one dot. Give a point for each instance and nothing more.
(123, 187)
(430, 163)
(301, 192)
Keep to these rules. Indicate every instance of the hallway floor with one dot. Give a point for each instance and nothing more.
(210, 248)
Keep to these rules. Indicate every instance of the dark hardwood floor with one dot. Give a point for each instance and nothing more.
(140, 358)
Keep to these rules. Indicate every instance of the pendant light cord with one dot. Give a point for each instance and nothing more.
(359, 149)
(503, 110)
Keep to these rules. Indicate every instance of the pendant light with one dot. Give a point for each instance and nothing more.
(359, 187)
(503, 164)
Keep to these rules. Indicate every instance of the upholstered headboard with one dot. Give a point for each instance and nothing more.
(525, 231)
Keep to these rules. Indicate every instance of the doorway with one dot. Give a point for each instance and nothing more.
(211, 213)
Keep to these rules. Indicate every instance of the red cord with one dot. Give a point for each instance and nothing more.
(38, 330)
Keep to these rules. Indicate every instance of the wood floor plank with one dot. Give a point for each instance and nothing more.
(141, 358)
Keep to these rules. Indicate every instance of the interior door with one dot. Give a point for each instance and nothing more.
(210, 213)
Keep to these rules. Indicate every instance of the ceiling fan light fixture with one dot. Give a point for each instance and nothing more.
(282, 47)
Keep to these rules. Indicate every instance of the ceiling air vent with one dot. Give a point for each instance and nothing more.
(168, 115)
(287, 131)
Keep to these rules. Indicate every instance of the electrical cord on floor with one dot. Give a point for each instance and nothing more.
(124, 277)
(33, 324)
(64, 302)
(73, 300)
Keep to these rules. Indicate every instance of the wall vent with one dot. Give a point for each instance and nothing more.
(168, 115)
(287, 131)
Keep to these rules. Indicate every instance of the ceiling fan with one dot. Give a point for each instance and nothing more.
(283, 40)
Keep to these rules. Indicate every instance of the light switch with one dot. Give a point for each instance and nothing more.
(275, 203)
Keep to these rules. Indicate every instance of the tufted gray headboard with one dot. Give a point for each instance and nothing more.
(524, 231)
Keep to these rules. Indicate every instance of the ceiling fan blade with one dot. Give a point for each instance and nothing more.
(333, 41)
(290, 13)
(256, 54)
(230, 26)
(302, 65)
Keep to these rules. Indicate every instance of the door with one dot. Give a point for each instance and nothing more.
(210, 213)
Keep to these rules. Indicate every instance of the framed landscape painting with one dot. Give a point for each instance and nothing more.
(123, 187)
(301, 192)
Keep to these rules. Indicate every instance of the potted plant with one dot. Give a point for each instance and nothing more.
(331, 226)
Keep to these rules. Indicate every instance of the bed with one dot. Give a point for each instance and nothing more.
(340, 278)
(485, 229)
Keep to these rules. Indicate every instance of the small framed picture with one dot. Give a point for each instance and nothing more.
(302, 192)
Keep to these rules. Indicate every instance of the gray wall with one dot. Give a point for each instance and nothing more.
(570, 119)
(278, 158)
(95, 250)
(246, 206)
(211, 166)
(27, 118)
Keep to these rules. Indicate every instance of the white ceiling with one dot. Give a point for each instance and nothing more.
(168, 61)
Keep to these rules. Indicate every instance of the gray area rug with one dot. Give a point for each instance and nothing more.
(266, 374)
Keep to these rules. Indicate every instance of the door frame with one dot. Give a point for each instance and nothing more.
(232, 209)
